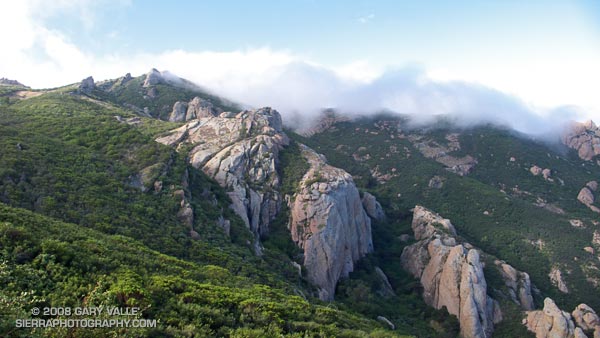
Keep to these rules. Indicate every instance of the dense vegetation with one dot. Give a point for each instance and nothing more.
(104, 231)
(89, 216)
(494, 207)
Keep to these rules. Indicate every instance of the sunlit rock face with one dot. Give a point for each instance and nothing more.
(329, 223)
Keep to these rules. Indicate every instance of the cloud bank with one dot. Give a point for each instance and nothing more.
(296, 86)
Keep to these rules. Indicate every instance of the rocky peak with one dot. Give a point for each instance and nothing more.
(153, 77)
(9, 82)
(329, 223)
(87, 85)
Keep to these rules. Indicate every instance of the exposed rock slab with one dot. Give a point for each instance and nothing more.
(240, 152)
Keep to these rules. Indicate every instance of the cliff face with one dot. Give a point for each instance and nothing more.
(240, 152)
(328, 221)
(452, 275)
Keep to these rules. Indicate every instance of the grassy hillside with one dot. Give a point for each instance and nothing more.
(49, 263)
(493, 207)
(158, 99)
(100, 230)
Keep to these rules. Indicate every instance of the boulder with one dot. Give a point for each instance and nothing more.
(535, 170)
(585, 196)
(372, 207)
(585, 317)
(385, 290)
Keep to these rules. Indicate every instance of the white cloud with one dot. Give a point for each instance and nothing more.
(41, 57)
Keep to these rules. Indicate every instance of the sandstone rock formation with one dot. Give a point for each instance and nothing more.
(518, 284)
(585, 196)
(584, 138)
(372, 207)
(586, 318)
(196, 108)
(552, 322)
(240, 152)
(329, 223)
(452, 275)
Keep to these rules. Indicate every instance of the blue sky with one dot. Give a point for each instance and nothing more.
(544, 54)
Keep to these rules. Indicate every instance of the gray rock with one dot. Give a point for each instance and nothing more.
(199, 108)
(436, 182)
(153, 77)
(386, 290)
(178, 114)
(386, 322)
(87, 85)
(372, 207)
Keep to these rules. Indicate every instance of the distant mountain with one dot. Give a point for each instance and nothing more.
(8, 82)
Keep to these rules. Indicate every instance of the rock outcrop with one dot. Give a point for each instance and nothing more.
(556, 277)
(87, 85)
(372, 207)
(518, 284)
(552, 322)
(451, 274)
(441, 153)
(240, 152)
(385, 290)
(153, 77)
(329, 223)
(584, 138)
(9, 82)
(178, 114)
(196, 108)
(586, 318)
(585, 196)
